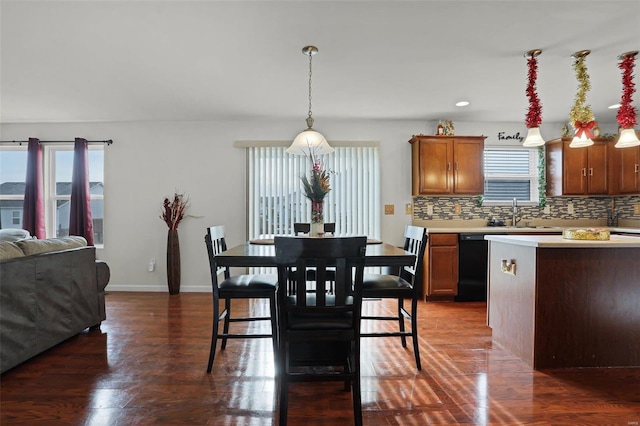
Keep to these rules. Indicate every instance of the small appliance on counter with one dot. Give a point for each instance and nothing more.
(495, 222)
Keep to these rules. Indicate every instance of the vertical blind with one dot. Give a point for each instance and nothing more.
(277, 199)
(510, 173)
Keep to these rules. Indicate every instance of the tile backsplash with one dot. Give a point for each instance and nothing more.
(444, 208)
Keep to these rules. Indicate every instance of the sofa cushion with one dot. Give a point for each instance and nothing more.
(9, 250)
(12, 234)
(30, 247)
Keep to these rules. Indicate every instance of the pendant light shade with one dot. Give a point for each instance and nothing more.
(581, 141)
(534, 138)
(310, 142)
(627, 138)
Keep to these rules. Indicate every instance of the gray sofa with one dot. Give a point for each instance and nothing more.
(50, 290)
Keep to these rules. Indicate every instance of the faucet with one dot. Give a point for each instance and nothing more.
(514, 214)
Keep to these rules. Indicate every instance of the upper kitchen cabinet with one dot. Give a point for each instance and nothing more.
(445, 165)
(580, 171)
(629, 160)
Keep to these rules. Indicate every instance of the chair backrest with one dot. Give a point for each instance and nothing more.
(216, 244)
(330, 227)
(346, 255)
(415, 241)
(303, 228)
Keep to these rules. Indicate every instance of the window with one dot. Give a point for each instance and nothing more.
(510, 173)
(276, 198)
(58, 169)
(13, 173)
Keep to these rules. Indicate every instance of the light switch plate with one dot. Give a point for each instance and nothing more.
(457, 209)
(388, 209)
(408, 209)
(570, 208)
(636, 209)
(430, 210)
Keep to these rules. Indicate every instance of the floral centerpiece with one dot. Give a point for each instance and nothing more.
(172, 213)
(316, 187)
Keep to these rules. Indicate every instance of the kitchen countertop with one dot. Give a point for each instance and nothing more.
(521, 229)
(556, 241)
(553, 226)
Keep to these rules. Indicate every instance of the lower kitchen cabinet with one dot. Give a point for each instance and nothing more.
(441, 267)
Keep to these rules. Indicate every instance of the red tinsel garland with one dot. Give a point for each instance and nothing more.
(626, 117)
(534, 115)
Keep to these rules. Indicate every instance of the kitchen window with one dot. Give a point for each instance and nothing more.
(276, 199)
(510, 172)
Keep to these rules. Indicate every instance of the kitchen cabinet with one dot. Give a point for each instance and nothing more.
(629, 161)
(580, 171)
(441, 267)
(447, 165)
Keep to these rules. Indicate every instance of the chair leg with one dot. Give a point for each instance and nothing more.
(403, 339)
(214, 334)
(356, 389)
(414, 331)
(284, 385)
(227, 307)
(274, 330)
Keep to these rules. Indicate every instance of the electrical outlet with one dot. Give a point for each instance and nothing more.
(152, 264)
(546, 210)
(636, 209)
(430, 209)
(570, 208)
(457, 209)
(408, 208)
(388, 209)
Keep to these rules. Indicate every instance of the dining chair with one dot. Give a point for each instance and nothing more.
(305, 228)
(319, 333)
(301, 228)
(254, 286)
(404, 285)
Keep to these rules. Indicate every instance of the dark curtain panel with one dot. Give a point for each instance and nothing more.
(33, 206)
(80, 221)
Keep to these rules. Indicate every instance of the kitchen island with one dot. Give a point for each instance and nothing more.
(559, 303)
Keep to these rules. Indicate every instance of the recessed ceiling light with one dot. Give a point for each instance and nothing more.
(462, 103)
(614, 106)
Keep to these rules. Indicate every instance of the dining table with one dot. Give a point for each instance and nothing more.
(262, 253)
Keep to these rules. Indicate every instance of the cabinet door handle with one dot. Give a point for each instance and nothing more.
(448, 166)
(591, 171)
(637, 168)
(584, 171)
(456, 166)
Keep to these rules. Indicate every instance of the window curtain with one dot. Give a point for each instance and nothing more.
(33, 206)
(80, 220)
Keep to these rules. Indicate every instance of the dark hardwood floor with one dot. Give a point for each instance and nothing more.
(147, 365)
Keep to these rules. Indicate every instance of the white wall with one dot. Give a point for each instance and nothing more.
(149, 160)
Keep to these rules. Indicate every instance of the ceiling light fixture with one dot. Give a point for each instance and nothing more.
(462, 103)
(614, 106)
(627, 117)
(534, 115)
(310, 142)
(581, 116)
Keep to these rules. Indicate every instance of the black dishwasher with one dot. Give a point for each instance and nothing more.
(472, 268)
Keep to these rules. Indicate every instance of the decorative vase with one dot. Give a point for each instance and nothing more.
(173, 261)
(317, 218)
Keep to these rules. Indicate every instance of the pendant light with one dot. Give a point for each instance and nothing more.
(627, 117)
(581, 116)
(534, 115)
(310, 142)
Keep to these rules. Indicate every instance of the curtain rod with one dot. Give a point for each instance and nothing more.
(107, 142)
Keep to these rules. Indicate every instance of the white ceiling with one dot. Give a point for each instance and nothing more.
(69, 61)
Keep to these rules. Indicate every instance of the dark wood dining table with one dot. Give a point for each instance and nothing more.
(264, 255)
